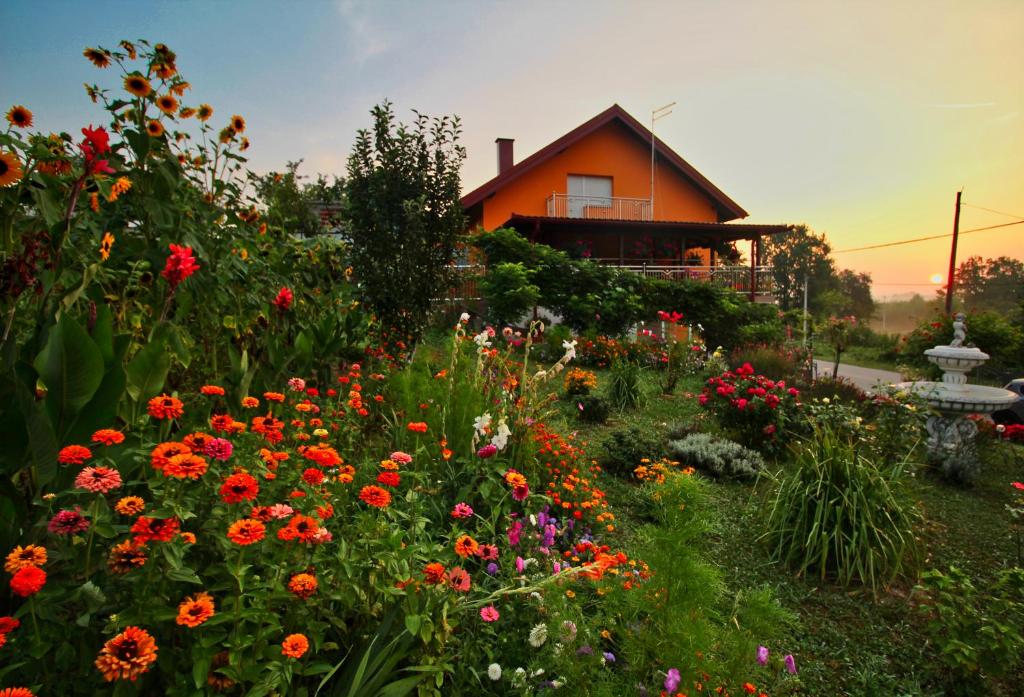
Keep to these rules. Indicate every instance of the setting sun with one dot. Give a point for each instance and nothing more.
(936, 278)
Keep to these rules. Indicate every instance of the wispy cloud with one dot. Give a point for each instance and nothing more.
(964, 105)
(365, 40)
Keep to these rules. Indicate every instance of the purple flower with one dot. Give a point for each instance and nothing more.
(672, 679)
(219, 449)
(609, 657)
(790, 663)
(491, 569)
(762, 655)
(584, 651)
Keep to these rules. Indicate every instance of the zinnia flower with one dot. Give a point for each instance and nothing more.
(10, 168)
(161, 455)
(158, 529)
(68, 522)
(433, 573)
(538, 635)
(20, 557)
(672, 680)
(459, 579)
(195, 610)
(16, 692)
(165, 407)
(19, 117)
(400, 457)
(180, 265)
(462, 510)
(246, 531)
(98, 480)
(126, 556)
(417, 427)
(212, 390)
(466, 546)
(240, 486)
(73, 455)
(489, 614)
(219, 449)
(28, 580)
(108, 436)
(375, 496)
(127, 656)
(294, 645)
(185, 466)
(130, 505)
(391, 479)
(487, 451)
(303, 585)
(313, 476)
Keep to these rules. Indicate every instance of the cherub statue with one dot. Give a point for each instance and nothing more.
(959, 329)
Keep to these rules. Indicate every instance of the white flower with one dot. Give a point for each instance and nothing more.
(519, 677)
(538, 635)
(568, 630)
(464, 317)
(570, 349)
(536, 596)
(494, 672)
(500, 439)
(537, 673)
(481, 423)
(481, 340)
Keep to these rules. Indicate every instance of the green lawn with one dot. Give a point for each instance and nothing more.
(845, 641)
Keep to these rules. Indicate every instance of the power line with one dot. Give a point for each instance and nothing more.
(993, 210)
(923, 239)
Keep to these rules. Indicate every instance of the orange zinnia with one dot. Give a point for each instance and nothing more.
(20, 557)
(128, 655)
(250, 402)
(126, 556)
(165, 407)
(303, 585)
(195, 610)
(466, 546)
(161, 455)
(294, 645)
(246, 531)
(108, 436)
(375, 496)
(301, 528)
(130, 505)
(212, 390)
(186, 466)
(240, 486)
(434, 573)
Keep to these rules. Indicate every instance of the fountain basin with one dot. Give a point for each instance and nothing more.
(959, 398)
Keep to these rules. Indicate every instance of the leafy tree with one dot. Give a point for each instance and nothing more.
(403, 215)
(855, 288)
(990, 284)
(797, 255)
(292, 205)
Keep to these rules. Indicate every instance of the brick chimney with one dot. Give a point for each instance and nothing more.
(504, 154)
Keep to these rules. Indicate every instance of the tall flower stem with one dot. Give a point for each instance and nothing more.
(92, 533)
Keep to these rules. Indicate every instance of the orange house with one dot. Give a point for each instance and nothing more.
(598, 192)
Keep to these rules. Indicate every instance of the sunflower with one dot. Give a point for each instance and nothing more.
(138, 85)
(167, 104)
(130, 48)
(179, 88)
(165, 70)
(99, 57)
(205, 112)
(187, 112)
(10, 168)
(226, 135)
(238, 123)
(154, 128)
(20, 116)
(244, 144)
(122, 185)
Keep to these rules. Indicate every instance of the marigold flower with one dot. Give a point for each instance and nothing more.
(28, 580)
(294, 645)
(159, 529)
(180, 265)
(19, 117)
(73, 455)
(196, 609)
(161, 455)
(127, 656)
(138, 85)
(68, 522)
(165, 407)
(212, 390)
(240, 486)
(303, 585)
(98, 480)
(108, 436)
(466, 546)
(375, 496)
(126, 556)
(246, 531)
(20, 557)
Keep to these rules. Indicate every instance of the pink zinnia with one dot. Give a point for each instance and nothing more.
(400, 457)
(1017, 485)
(280, 511)
(98, 480)
(219, 449)
(458, 579)
(462, 510)
(487, 552)
(296, 384)
(489, 614)
(68, 522)
(520, 492)
(487, 451)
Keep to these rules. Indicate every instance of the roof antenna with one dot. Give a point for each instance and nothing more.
(655, 115)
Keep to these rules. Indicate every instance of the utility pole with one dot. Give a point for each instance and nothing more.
(805, 310)
(952, 255)
(655, 115)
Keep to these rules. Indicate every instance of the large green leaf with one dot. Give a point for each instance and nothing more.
(71, 367)
(42, 440)
(101, 411)
(147, 371)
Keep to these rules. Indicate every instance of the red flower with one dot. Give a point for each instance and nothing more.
(180, 265)
(284, 298)
(375, 496)
(434, 573)
(389, 479)
(73, 455)
(159, 529)
(241, 486)
(28, 580)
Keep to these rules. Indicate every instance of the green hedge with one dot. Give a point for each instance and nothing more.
(591, 296)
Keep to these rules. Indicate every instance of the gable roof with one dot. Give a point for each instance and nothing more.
(727, 208)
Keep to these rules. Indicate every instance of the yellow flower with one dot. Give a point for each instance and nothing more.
(154, 128)
(205, 112)
(238, 123)
(120, 186)
(137, 85)
(167, 104)
(105, 245)
(10, 168)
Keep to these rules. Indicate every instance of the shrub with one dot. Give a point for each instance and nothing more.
(625, 447)
(579, 381)
(625, 390)
(768, 332)
(839, 515)
(974, 633)
(989, 331)
(722, 458)
(751, 408)
(833, 388)
(508, 292)
(591, 408)
(776, 361)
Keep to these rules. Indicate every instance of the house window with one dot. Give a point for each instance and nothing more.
(586, 192)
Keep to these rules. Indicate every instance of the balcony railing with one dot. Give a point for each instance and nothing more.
(735, 277)
(598, 207)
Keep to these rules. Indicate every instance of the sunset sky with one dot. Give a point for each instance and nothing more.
(861, 119)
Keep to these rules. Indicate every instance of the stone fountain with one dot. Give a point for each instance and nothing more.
(951, 435)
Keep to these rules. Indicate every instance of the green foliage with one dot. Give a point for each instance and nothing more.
(842, 515)
(717, 456)
(795, 256)
(779, 362)
(974, 633)
(403, 215)
(624, 447)
(508, 292)
(767, 332)
(591, 408)
(290, 205)
(625, 388)
(833, 388)
(995, 285)
(993, 333)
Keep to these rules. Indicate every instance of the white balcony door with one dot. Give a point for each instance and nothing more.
(588, 192)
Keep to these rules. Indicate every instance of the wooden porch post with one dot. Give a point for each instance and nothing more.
(755, 251)
(622, 247)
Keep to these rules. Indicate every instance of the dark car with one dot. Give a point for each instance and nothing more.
(1014, 414)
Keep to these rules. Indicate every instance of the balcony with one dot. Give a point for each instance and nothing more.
(599, 207)
(739, 278)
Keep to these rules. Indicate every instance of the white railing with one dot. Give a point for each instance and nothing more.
(598, 207)
(735, 277)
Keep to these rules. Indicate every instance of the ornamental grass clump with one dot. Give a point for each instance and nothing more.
(841, 515)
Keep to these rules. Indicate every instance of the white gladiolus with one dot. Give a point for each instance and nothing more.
(464, 317)
(500, 439)
(481, 423)
(538, 635)
(570, 349)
